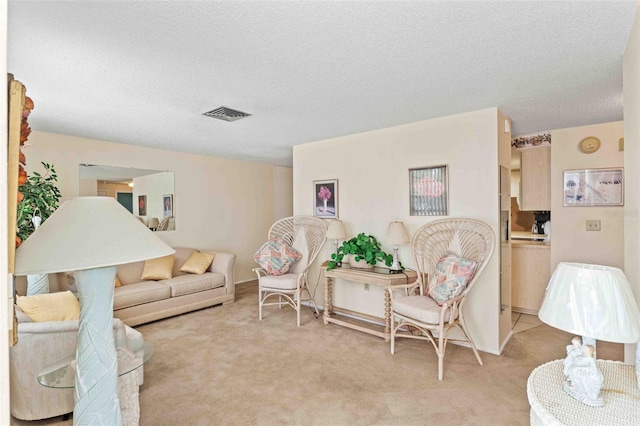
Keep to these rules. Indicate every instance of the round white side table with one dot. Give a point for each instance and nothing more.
(550, 405)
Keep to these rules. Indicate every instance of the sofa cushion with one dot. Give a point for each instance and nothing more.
(130, 273)
(60, 306)
(160, 268)
(139, 293)
(187, 284)
(181, 255)
(198, 263)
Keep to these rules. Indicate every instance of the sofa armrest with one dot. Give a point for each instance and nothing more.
(225, 264)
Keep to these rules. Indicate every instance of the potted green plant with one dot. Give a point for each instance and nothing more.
(361, 248)
(41, 198)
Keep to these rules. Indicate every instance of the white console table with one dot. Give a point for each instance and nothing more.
(550, 405)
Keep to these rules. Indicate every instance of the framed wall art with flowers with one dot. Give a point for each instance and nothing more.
(429, 191)
(325, 199)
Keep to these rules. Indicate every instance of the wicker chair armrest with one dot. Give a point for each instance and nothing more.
(260, 272)
(405, 289)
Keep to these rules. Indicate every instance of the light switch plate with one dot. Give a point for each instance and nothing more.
(593, 225)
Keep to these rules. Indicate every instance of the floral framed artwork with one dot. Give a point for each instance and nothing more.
(167, 202)
(429, 191)
(142, 205)
(594, 187)
(325, 199)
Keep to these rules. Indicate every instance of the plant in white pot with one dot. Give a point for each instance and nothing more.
(40, 199)
(364, 251)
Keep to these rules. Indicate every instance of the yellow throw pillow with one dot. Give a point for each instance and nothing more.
(198, 263)
(158, 269)
(117, 282)
(60, 306)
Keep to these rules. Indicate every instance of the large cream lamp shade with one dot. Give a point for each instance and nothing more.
(91, 235)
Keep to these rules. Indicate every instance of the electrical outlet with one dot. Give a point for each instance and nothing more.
(366, 286)
(593, 225)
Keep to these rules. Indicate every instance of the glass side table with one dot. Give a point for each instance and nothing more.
(63, 375)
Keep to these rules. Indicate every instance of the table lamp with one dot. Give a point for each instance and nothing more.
(396, 234)
(90, 235)
(337, 232)
(595, 302)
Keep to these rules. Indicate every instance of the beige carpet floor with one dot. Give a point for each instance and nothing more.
(222, 366)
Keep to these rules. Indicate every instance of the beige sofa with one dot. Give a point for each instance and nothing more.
(137, 302)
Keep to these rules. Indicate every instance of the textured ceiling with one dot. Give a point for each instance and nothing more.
(142, 73)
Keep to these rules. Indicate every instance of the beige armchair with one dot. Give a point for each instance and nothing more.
(40, 345)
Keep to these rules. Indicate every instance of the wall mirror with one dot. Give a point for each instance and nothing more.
(147, 194)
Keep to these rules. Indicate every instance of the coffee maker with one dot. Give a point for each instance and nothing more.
(540, 218)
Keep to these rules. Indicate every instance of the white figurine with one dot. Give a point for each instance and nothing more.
(573, 350)
(584, 380)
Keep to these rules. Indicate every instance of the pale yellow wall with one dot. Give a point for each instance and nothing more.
(88, 188)
(373, 175)
(570, 241)
(631, 74)
(223, 204)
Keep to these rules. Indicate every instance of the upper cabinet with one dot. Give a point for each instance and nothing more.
(535, 179)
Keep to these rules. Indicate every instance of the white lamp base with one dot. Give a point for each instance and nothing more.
(584, 379)
(395, 266)
(96, 388)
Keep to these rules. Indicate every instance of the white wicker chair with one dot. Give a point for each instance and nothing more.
(307, 234)
(419, 316)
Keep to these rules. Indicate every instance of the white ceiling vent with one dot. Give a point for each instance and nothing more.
(226, 114)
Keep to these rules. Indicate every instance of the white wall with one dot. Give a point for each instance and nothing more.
(283, 188)
(372, 172)
(571, 242)
(221, 204)
(631, 74)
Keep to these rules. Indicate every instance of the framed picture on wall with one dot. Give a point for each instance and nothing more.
(593, 187)
(429, 191)
(168, 205)
(325, 198)
(142, 205)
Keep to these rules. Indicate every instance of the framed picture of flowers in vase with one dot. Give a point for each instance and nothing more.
(325, 198)
(429, 191)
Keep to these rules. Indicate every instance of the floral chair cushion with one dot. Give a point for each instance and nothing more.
(450, 278)
(276, 256)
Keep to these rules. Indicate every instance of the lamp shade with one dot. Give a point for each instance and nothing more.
(336, 230)
(397, 234)
(86, 233)
(153, 222)
(593, 301)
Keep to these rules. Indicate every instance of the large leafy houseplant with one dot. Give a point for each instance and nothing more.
(362, 247)
(41, 198)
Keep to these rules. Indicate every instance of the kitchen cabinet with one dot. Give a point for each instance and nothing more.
(530, 273)
(535, 179)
